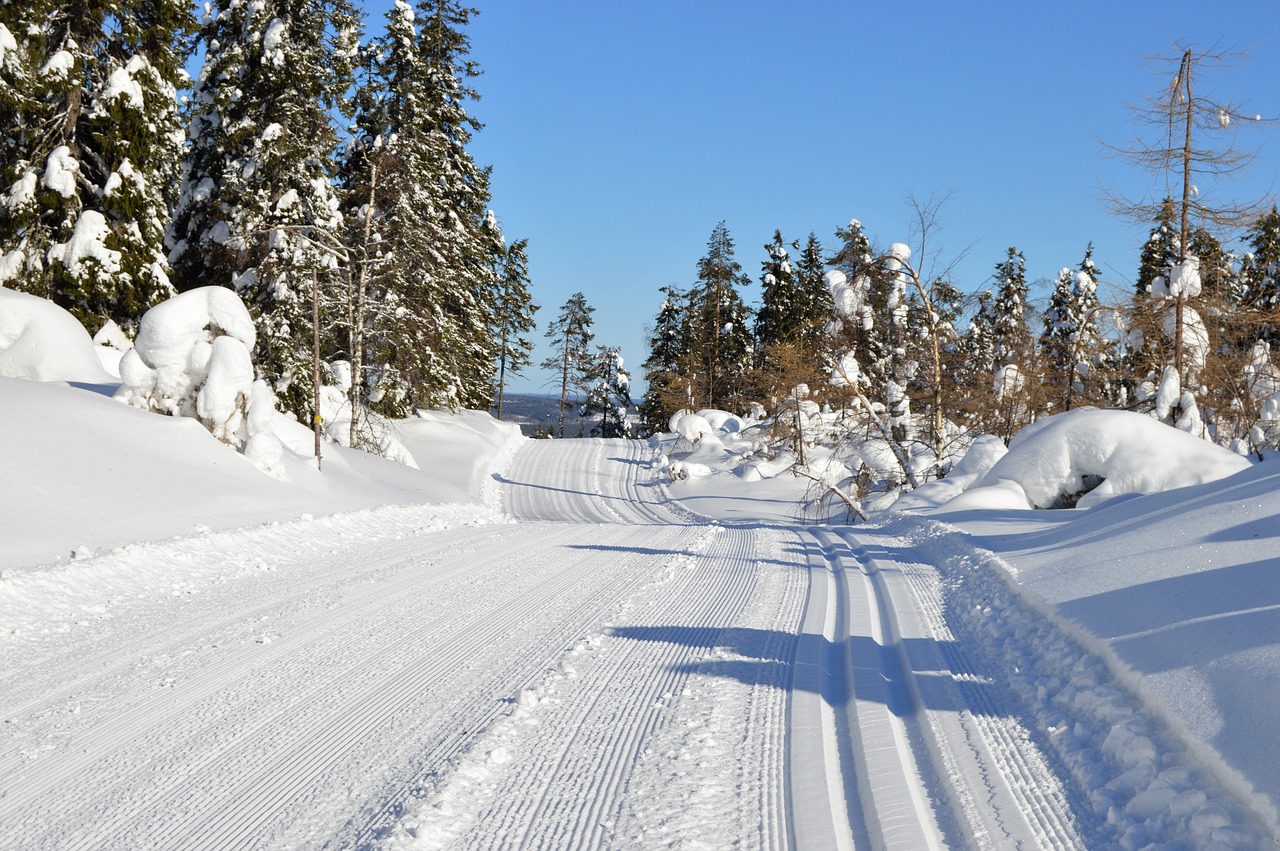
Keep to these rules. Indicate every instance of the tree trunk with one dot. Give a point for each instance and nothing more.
(564, 382)
(357, 325)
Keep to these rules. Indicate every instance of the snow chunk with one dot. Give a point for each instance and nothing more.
(121, 84)
(1183, 280)
(59, 65)
(7, 42)
(88, 242)
(271, 41)
(60, 171)
(976, 463)
(40, 341)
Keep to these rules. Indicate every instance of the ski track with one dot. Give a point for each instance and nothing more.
(610, 671)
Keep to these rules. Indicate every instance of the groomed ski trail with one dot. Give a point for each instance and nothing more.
(609, 671)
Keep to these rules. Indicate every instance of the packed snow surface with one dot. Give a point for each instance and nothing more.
(566, 644)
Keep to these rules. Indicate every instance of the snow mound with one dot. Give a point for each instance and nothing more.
(976, 463)
(40, 341)
(1082, 457)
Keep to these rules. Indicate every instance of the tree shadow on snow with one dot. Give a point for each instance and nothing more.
(858, 670)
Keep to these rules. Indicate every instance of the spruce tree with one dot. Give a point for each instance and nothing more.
(669, 368)
(1009, 329)
(1260, 276)
(258, 211)
(870, 335)
(780, 318)
(571, 335)
(814, 300)
(467, 241)
(512, 315)
(90, 152)
(1058, 342)
(723, 334)
(1161, 250)
(608, 393)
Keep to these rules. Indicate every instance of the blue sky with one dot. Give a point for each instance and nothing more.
(621, 133)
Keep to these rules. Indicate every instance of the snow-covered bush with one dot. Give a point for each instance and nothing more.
(191, 359)
(1084, 456)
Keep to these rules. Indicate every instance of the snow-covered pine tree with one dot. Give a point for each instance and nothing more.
(978, 363)
(512, 315)
(608, 393)
(258, 211)
(1010, 334)
(392, 208)
(867, 336)
(1260, 276)
(1059, 338)
(469, 241)
(724, 338)
(571, 334)
(780, 318)
(90, 152)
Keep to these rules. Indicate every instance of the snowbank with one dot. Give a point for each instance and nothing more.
(94, 475)
(40, 341)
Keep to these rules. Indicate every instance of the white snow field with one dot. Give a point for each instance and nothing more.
(546, 645)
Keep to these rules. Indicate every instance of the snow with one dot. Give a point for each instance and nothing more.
(42, 342)
(88, 242)
(59, 65)
(271, 41)
(367, 654)
(60, 171)
(7, 43)
(120, 83)
(1060, 456)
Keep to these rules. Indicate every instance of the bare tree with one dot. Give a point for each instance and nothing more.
(1188, 137)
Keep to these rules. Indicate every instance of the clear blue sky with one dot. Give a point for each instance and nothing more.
(621, 133)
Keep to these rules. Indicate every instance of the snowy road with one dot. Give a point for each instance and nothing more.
(608, 671)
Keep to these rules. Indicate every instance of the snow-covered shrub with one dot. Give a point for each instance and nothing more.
(1085, 456)
(374, 433)
(191, 359)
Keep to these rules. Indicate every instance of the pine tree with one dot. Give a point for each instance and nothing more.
(1061, 336)
(91, 151)
(571, 335)
(1260, 276)
(1161, 250)
(814, 299)
(608, 393)
(722, 321)
(512, 315)
(1009, 329)
(258, 211)
(978, 362)
(467, 239)
(669, 369)
(780, 318)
